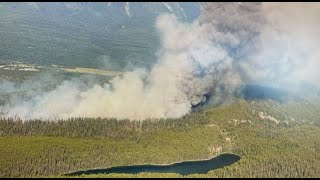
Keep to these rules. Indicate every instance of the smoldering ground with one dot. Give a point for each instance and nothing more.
(229, 44)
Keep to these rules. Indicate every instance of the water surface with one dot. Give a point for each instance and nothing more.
(183, 168)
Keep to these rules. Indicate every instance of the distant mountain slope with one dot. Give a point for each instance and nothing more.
(111, 35)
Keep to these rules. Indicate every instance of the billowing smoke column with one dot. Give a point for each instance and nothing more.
(229, 44)
(188, 67)
(270, 43)
(291, 47)
(273, 44)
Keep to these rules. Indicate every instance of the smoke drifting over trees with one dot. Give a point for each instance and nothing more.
(228, 45)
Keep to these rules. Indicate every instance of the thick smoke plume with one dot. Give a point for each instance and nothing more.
(228, 45)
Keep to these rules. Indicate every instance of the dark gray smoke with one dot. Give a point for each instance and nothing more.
(228, 45)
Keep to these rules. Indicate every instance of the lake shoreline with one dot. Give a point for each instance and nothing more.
(146, 164)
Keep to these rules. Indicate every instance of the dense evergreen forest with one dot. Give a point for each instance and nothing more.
(274, 139)
(247, 72)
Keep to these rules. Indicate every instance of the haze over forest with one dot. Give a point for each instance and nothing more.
(226, 46)
(143, 73)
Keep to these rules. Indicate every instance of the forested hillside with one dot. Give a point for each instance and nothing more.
(105, 35)
(271, 143)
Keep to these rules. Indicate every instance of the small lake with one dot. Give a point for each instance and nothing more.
(183, 168)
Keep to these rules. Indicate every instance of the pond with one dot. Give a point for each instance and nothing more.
(183, 168)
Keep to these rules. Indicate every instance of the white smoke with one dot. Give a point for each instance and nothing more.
(188, 66)
(229, 44)
(274, 44)
(293, 41)
(287, 54)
